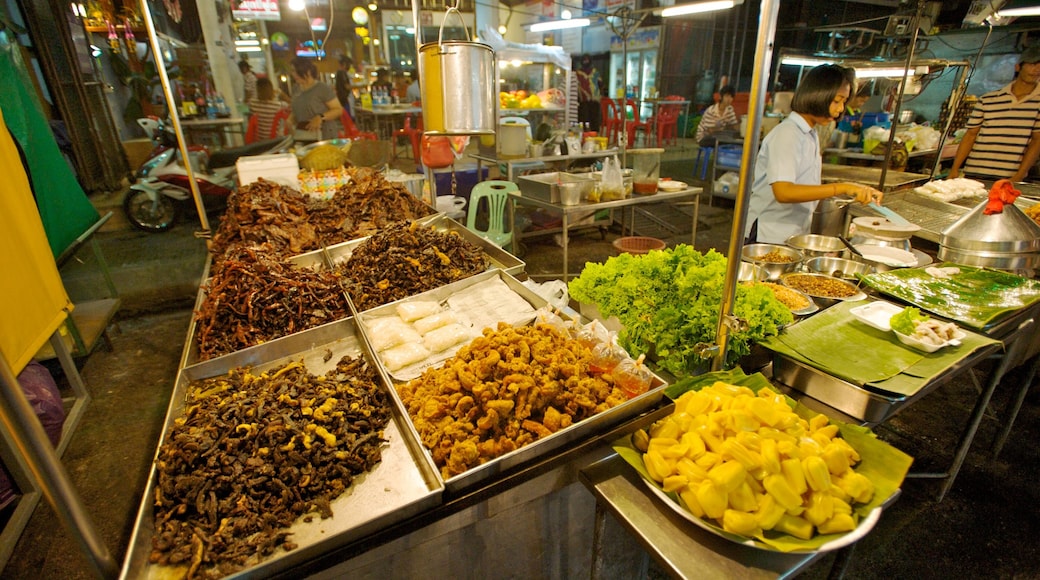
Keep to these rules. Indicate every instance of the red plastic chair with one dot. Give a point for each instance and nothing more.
(634, 124)
(279, 126)
(350, 130)
(251, 129)
(413, 134)
(667, 120)
(610, 121)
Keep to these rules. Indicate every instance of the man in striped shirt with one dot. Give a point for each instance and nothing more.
(1003, 136)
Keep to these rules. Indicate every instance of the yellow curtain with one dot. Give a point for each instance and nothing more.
(33, 302)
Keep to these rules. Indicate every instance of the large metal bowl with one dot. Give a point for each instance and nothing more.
(751, 272)
(820, 297)
(838, 267)
(754, 252)
(815, 245)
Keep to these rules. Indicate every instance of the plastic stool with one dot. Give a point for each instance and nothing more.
(707, 151)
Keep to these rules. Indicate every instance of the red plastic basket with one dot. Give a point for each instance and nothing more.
(638, 245)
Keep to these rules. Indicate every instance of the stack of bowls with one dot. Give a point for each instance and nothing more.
(755, 253)
(838, 267)
(815, 245)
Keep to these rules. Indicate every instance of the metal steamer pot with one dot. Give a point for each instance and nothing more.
(1009, 240)
(458, 89)
(877, 231)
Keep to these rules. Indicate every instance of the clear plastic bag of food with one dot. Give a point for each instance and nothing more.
(390, 331)
(446, 337)
(403, 355)
(633, 377)
(428, 323)
(414, 310)
(612, 183)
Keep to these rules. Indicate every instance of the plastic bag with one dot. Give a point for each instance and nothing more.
(613, 183)
(554, 292)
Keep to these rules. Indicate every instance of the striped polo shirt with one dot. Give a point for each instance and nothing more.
(1007, 124)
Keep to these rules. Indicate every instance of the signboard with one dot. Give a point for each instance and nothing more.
(641, 38)
(256, 9)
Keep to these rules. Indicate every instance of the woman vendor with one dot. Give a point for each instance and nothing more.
(315, 107)
(787, 181)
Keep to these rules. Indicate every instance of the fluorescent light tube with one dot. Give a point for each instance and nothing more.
(697, 8)
(560, 24)
(1012, 12)
(801, 61)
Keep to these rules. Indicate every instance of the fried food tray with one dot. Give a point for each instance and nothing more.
(542, 447)
(404, 483)
(497, 257)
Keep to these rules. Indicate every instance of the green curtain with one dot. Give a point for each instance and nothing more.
(64, 208)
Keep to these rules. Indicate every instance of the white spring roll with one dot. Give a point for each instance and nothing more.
(424, 325)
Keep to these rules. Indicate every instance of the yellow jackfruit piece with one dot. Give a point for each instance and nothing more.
(836, 459)
(694, 473)
(665, 428)
(770, 456)
(820, 508)
(689, 497)
(769, 512)
(858, 486)
(712, 500)
(743, 498)
(816, 473)
(777, 486)
(656, 465)
(733, 449)
(765, 411)
(795, 476)
(707, 460)
(695, 445)
(839, 523)
(740, 522)
(674, 483)
(727, 476)
(794, 525)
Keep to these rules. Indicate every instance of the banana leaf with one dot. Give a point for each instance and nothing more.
(975, 297)
(884, 465)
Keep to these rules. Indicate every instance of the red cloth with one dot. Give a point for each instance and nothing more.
(1002, 193)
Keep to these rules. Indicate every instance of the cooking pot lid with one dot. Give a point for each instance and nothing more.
(883, 227)
(1010, 229)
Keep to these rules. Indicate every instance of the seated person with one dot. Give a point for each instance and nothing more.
(265, 106)
(719, 120)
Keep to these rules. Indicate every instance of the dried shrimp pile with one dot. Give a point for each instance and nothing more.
(364, 206)
(820, 286)
(506, 389)
(776, 257)
(265, 212)
(253, 453)
(787, 296)
(405, 259)
(254, 297)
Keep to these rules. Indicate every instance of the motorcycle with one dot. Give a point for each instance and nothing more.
(161, 189)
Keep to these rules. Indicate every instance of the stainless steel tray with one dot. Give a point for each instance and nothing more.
(402, 485)
(855, 401)
(542, 447)
(498, 257)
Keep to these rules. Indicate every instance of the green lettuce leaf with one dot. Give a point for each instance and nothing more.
(906, 321)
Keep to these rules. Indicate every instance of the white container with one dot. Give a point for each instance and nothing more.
(281, 168)
(512, 140)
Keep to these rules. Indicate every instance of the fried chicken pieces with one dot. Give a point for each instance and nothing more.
(506, 389)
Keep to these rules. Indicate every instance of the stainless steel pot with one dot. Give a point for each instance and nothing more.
(458, 85)
(1008, 240)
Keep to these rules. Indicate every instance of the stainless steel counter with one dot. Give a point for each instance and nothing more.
(871, 176)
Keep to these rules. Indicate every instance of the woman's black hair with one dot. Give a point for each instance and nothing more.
(727, 90)
(304, 67)
(818, 88)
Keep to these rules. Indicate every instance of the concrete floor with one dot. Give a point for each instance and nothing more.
(986, 527)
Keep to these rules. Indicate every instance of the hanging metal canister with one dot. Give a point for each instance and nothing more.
(458, 85)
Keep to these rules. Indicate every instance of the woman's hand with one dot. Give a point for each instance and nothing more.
(315, 123)
(863, 193)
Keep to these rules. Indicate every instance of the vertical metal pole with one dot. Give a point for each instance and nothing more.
(30, 441)
(899, 99)
(756, 104)
(171, 103)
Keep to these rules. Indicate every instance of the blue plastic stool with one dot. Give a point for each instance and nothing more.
(707, 151)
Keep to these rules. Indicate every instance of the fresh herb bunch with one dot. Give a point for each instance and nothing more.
(669, 300)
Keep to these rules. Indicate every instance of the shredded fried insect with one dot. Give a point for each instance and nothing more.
(252, 453)
(775, 257)
(365, 205)
(820, 286)
(506, 389)
(405, 259)
(787, 296)
(254, 297)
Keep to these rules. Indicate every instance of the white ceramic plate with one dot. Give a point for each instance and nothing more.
(671, 185)
(865, 525)
(876, 314)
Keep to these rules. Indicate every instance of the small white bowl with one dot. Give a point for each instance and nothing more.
(928, 347)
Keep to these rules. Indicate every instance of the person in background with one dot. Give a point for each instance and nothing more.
(248, 81)
(589, 93)
(344, 92)
(265, 106)
(413, 94)
(382, 81)
(1003, 131)
(852, 121)
(787, 182)
(315, 108)
(717, 119)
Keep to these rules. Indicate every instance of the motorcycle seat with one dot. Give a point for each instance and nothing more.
(228, 157)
